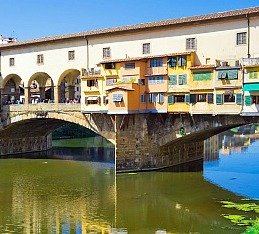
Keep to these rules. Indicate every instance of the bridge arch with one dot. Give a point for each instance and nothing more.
(40, 88)
(69, 86)
(12, 89)
(47, 121)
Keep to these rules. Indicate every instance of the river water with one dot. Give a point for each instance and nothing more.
(63, 193)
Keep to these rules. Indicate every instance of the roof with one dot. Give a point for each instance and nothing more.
(120, 87)
(145, 57)
(203, 67)
(235, 14)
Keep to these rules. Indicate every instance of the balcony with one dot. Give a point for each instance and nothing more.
(92, 72)
(156, 71)
(91, 89)
(130, 72)
(250, 62)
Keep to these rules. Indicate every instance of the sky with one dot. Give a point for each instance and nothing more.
(28, 19)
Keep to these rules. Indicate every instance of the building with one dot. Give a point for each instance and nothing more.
(195, 65)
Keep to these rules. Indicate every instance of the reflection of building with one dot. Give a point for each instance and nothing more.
(234, 144)
(211, 148)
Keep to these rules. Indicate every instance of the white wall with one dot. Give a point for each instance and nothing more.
(214, 41)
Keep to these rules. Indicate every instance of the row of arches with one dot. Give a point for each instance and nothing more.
(41, 88)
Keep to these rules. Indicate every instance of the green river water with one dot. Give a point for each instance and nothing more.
(76, 196)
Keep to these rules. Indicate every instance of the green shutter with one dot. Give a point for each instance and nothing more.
(232, 74)
(210, 97)
(187, 98)
(253, 75)
(219, 99)
(170, 99)
(180, 79)
(248, 100)
(239, 98)
(199, 76)
(173, 80)
(184, 78)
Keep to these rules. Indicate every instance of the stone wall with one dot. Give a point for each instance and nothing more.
(9, 146)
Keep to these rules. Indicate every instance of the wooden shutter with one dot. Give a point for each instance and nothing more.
(187, 98)
(239, 98)
(180, 80)
(210, 98)
(184, 79)
(173, 80)
(184, 60)
(219, 99)
(170, 99)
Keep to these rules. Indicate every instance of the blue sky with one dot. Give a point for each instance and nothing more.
(28, 19)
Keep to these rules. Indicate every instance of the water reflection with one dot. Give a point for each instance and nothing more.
(55, 197)
(233, 161)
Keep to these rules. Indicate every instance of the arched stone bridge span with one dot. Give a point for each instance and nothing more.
(142, 141)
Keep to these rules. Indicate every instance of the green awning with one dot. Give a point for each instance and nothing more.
(251, 87)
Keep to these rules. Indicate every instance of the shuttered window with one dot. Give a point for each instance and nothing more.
(210, 98)
(187, 98)
(253, 75)
(170, 99)
(173, 80)
(192, 98)
(161, 98)
(228, 74)
(200, 76)
(239, 98)
(117, 97)
(182, 61)
(182, 79)
(172, 62)
(219, 99)
(143, 98)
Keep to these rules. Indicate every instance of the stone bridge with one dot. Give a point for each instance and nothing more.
(142, 141)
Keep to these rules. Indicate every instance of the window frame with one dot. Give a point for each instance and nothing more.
(11, 62)
(106, 52)
(71, 55)
(191, 43)
(241, 38)
(40, 59)
(146, 48)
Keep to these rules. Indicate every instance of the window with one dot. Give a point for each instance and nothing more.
(92, 100)
(182, 61)
(201, 76)
(117, 97)
(182, 79)
(129, 66)
(179, 98)
(143, 98)
(155, 80)
(146, 48)
(71, 55)
(141, 81)
(241, 38)
(11, 62)
(105, 100)
(156, 62)
(91, 83)
(40, 59)
(106, 52)
(172, 62)
(191, 44)
(109, 65)
(111, 81)
(201, 97)
(229, 98)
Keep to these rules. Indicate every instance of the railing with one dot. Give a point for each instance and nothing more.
(156, 71)
(91, 89)
(250, 61)
(42, 107)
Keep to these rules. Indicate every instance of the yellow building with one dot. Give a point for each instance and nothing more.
(202, 89)
(228, 89)
(179, 81)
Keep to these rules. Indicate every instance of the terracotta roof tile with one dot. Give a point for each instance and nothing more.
(200, 67)
(120, 87)
(164, 23)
